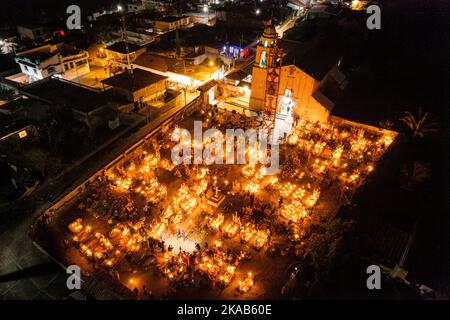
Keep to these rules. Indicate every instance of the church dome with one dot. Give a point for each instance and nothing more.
(269, 30)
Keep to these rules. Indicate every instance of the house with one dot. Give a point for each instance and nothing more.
(238, 82)
(242, 16)
(236, 51)
(216, 42)
(15, 130)
(205, 18)
(99, 9)
(22, 108)
(220, 42)
(120, 53)
(145, 19)
(169, 23)
(88, 106)
(136, 6)
(158, 5)
(137, 85)
(33, 32)
(323, 11)
(48, 60)
(177, 70)
(15, 181)
(136, 37)
(155, 63)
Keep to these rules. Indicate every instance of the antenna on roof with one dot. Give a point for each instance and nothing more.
(127, 50)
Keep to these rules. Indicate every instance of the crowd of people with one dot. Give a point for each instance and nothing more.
(129, 212)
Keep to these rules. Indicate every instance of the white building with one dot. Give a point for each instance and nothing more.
(49, 60)
(169, 23)
(136, 6)
(140, 38)
(206, 18)
(32, 32)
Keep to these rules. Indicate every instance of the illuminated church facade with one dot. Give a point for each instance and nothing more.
(288, 78)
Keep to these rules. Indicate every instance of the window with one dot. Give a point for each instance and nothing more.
(263, 62)
(266, 44)
(236, 53)
(287, 102)
(288, 93)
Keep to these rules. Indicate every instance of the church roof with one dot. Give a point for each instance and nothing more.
(316, 57)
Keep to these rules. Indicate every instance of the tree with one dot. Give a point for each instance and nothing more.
(387, 124)
(8, 47)
(40, 161)
(6, 94)
(323, 245)
(415, 174)
(419, 125)
(37, 160)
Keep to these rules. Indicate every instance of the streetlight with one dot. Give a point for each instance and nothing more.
(206, 10)
(258, 11)
(120, 9)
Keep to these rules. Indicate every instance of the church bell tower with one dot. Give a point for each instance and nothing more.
(266, 76)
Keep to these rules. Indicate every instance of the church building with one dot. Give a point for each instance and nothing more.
(289, 79)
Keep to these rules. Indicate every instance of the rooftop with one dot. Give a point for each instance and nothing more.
(316, 57)
(64, 93)
(121, 47)
(240, 74)
(36, 56)
(137, 80)
(171, 18)
(202, 35)
(156, 62)
(8, 125)
(43, 53)
(148, 15)
(14, 106)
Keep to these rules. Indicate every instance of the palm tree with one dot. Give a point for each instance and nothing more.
(415, 174)
(387, 124)
(419, 124)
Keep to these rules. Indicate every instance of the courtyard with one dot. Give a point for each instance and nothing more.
(211, 231)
